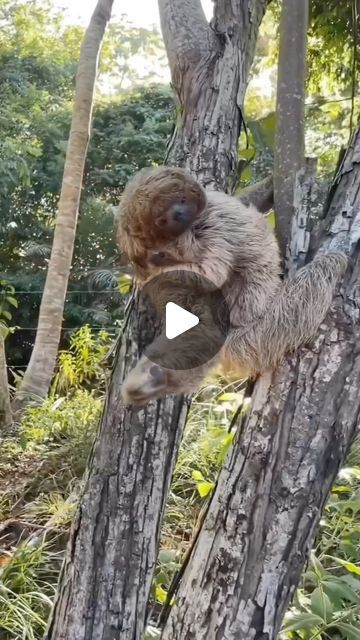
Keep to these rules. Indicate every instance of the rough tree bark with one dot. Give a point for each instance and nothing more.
(111, 556)
(210, 66)
(262, 520)
(39, 372)
(289, 135)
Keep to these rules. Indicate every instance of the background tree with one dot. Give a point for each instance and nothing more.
(290, 112)
(40, 370)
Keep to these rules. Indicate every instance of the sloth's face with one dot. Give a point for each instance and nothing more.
(158, 209)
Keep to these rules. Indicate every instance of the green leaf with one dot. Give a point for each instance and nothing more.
(160, 594)
(350, 632)
(230, 397)
(338, 590)
(167, 555)
(349, 566)
(303, 622)
(6, 314)
(247, 154)
(4, 330)
(125, 283)
(246, 174)
(197, 475)
(316, 565)
(341, 489)
(321, 605)
(12, 301)
(204, 488)
(271, 219)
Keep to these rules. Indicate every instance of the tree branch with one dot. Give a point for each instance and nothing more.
(186, 32)
(239, 21)
(260, 194)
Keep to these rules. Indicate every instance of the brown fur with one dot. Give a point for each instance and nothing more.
(235, 248)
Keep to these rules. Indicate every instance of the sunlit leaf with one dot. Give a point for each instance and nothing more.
(197, 475)
(204, 488)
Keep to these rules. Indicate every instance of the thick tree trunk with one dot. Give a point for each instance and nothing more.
(38, 375)
(262, 520)
(111, 557)
(289, 135)
(210, 68)
(5, 407)
(106, 578)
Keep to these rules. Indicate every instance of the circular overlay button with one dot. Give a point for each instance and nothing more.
(193, 316)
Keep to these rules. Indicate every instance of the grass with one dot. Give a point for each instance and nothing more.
(40, 480)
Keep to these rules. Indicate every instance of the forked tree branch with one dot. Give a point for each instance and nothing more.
(186, 32)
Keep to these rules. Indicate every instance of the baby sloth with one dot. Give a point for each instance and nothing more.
(168, 222)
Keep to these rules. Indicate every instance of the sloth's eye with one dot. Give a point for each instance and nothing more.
(159, 258)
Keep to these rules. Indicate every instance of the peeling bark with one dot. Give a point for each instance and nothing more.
(263, 516)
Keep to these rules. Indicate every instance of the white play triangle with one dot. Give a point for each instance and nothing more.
(178, 320)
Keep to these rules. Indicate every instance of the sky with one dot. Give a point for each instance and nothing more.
(143, 13)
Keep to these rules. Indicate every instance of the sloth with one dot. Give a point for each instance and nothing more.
(168, 222)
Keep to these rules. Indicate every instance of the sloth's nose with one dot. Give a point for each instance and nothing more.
(181, 213)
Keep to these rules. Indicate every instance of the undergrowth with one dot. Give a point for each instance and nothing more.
(40, 479)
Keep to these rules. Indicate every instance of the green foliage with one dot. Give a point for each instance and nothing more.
(46, 462)
(49, 454)
(7, 302)
(168, 563)
(83, 364)
(38, 57)
(60, 422)
(331, 45)
(124, 44)
(27, 588)
(327, 605)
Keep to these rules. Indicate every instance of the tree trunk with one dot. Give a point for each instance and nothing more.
(37, 378)
(111, 556)
(289, 135)
(107, 574)
(5, 407)
(262, 520)
(210, 65)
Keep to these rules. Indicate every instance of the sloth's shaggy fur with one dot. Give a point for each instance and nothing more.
(233, 246)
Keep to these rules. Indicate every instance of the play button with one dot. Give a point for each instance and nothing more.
(178, 320)
(187, 316)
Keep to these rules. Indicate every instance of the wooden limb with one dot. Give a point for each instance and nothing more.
(260, 194)
(186, 32)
